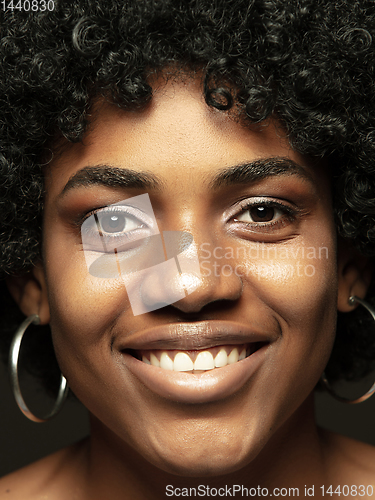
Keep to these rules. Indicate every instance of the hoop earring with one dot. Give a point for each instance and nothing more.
(13, 374)
(352, 300)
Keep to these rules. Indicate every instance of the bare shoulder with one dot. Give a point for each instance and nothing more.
(52, 477)
(351, 462)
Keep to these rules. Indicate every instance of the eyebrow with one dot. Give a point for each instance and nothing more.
(244, 173)
(257, 170)
(110, 176)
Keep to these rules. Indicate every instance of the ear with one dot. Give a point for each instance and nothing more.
(354, 275)
(30, 293)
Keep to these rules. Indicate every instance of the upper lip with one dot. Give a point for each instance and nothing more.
(195, 336)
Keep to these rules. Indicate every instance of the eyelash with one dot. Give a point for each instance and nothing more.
(289, 216)
(106, 238)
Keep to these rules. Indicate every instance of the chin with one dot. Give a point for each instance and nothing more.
(198, 458)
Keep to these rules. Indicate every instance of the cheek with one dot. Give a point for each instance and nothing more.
(83, 310)
(297, 286)
(294, 287)
(298, 291)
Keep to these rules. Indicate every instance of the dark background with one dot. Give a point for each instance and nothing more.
(23, 441)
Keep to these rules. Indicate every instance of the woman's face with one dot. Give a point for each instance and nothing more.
(264, 236)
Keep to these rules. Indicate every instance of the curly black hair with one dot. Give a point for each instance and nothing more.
(310, 63)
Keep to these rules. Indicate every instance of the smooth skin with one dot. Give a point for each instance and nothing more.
(263, 434)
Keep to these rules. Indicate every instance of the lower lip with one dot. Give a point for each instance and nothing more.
(207, 387)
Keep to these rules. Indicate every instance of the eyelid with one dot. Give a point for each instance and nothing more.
(97, 240)
(135, 212)
(255, 229)
(279, 213)
(251, 202)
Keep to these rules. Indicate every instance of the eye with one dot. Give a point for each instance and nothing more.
(267, 217)
(116, 227)
(260, 213)
(113, 223)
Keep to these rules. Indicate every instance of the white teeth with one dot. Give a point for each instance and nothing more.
(182, 362)
(154, 360)
(221, 358)
(166, 362)
(233, 357)
(204, 361)
(242, 355)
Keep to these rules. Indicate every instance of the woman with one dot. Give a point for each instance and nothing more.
(189, 207)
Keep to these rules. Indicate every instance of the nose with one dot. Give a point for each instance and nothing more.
(184, 279)
(213, 287)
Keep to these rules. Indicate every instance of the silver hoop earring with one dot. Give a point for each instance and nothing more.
(352, 300)
(13, 373)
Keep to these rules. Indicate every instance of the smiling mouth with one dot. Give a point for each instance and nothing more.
(196, 361)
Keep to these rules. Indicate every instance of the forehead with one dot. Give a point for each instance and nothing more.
(177, 135)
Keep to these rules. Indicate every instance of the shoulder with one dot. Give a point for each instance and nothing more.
(349, 461)
(51, 477)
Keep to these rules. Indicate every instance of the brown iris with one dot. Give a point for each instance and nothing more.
(262, 213)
